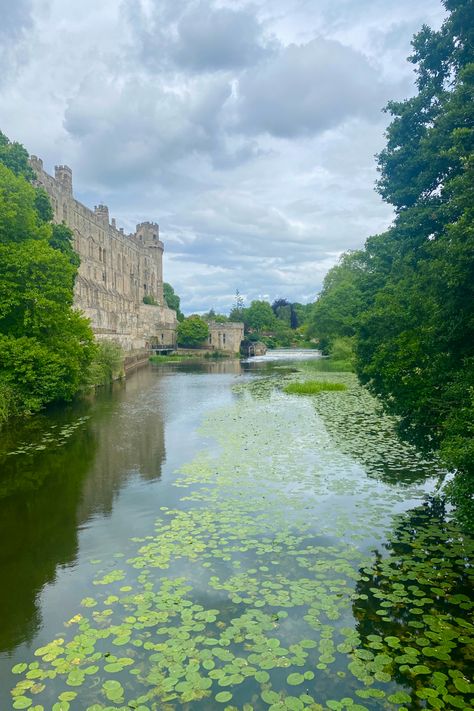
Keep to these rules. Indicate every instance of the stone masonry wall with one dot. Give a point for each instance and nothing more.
(225, 337)
(117, 270)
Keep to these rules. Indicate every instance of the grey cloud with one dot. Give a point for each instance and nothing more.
(307, 89)
(213, 38)
(15, 17)
(137, 129)
(197, 36)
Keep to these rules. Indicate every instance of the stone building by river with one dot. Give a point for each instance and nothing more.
(117, 270)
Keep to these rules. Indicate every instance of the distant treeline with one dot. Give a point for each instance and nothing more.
(406, 301)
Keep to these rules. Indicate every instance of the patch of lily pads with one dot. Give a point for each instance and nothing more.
(282, 581)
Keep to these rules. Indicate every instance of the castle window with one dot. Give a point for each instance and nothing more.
(223, 338)
(103, 255)
(100, 254)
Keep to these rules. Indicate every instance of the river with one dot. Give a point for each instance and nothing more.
(197, 538)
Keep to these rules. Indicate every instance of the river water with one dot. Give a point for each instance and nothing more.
(196, 538)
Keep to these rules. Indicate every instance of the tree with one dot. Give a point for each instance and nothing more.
(45, 345)
(340, 302)
(408, 298)
(172, 299)
(211, 315)
(192, 331)
(259, 316)
(15, 157)
(238, 309)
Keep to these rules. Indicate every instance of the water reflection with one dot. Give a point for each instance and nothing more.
(38, 530)
(58, 484)
(412, 603)
(71, 465)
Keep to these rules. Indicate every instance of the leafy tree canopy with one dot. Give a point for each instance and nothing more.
(192, 331)
(408, 298)
(45, 345)
(173, 300)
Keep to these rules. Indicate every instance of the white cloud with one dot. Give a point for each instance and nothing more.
(247, 128)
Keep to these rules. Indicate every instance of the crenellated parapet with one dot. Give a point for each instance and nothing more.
(63, 174)
(118, 271)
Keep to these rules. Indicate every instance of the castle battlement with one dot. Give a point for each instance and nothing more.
(117, 272)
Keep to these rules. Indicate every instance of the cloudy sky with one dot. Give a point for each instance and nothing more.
(246, 129)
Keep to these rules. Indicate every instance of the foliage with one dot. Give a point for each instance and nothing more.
(259, 316)
(192, 331)
(342, 298)
(62, 239)
(45, 346)
(15, 157)
(150, 300)
(408, 298)
(8, 402)
(107, 364)
(211, 315)
(342, 349)
(173, 300)
(238, 308)
(313, 387)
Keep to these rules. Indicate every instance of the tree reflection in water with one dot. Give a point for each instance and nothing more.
(414, 615)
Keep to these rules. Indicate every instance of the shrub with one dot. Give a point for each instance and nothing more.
(192, 332)
(150, 300)
(107, 364)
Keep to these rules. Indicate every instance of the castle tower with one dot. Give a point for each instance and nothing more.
(148, 234)
(37, 164)
(63, 175)
(102, 212)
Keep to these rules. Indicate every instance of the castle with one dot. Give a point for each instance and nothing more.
(117, 272)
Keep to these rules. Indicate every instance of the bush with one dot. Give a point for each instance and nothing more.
(107, 364)
(150, 300)
(192, 332)
(342, 348)
(8, 402)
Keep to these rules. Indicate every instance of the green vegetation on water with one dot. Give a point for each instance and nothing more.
(313, 387)
(255, 594)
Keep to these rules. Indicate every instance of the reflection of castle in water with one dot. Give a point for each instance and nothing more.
(129, 429)
(58, 490)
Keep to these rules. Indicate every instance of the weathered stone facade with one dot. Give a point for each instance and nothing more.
(225, 337)
(117, 270)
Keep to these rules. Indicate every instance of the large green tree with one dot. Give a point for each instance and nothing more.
(192, 331)
(45, 345)
(408, 297)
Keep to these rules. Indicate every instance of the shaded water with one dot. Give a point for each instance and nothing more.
(197, 538)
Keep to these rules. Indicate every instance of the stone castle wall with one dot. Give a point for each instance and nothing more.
(117, 270)
(225, 337)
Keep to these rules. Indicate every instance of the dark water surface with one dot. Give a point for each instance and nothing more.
(271, 517)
